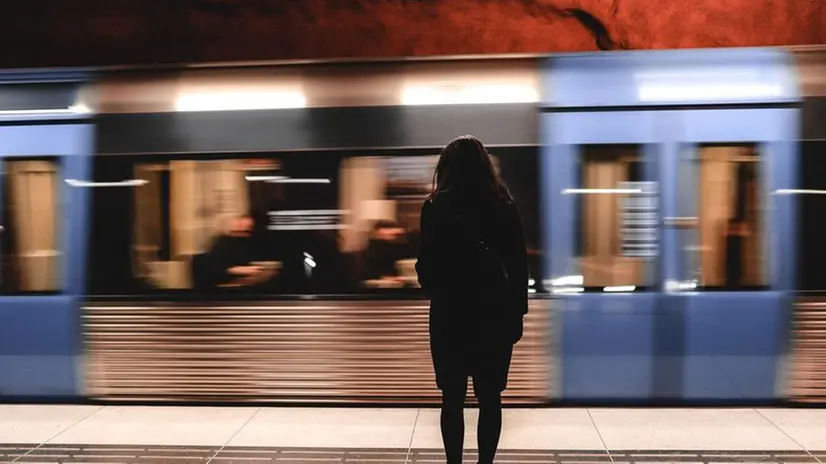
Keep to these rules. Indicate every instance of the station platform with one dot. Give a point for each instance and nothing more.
(251, 435)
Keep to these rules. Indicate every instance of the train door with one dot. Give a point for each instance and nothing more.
(603, 185)
(731, 264)
(41, 258)
(670, 250)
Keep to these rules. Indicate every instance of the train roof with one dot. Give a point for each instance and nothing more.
(82, 73)
(791, 73)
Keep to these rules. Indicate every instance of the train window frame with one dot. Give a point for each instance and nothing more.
(690, 210)
(58, 253)
(130, 162)
(577, 282)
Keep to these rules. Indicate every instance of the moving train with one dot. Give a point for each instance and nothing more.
(248, 233)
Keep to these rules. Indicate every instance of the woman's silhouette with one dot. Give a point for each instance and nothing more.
(473, 266)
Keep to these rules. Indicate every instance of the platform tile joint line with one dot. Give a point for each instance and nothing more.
(258, 455)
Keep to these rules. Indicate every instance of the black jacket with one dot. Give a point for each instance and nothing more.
(448, 270)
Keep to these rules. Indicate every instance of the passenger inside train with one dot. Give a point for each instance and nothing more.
(737, 232)
(385, 251)
(231, 260)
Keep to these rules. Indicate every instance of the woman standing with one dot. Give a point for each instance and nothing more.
(473, 266)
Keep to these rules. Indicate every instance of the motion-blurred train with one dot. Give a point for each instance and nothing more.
(248, 233)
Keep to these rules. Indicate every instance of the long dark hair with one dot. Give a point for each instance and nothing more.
(466, 170)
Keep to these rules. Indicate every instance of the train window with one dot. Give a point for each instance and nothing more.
(30, 255)
(259, 224)
(811, 248)
(291, 224)
(617, 226)
(724, 246)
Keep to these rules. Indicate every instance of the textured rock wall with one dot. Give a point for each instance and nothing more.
(102, 32)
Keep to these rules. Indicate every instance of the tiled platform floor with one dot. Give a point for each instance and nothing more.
(316, 435)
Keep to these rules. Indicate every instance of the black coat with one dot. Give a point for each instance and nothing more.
(448, 271)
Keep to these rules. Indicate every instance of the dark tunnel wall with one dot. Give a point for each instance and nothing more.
(105, 32)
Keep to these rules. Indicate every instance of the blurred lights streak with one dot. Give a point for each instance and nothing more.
(597, 191)
(78, 109)
(123, 183)
(620, 289)
(469, 95)
(799, 192)
(240, 100)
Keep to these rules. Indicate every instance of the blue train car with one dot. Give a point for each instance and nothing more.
(45, 140)
(659, 192)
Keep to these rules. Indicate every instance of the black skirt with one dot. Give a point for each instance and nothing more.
(470, 348)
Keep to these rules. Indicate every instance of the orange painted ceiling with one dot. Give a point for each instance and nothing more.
(108, 32)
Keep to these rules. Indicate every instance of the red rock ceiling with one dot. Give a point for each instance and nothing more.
(105, 32)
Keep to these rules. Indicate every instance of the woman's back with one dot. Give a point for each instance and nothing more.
(473, 265)
(452, 272)
(451, 233)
